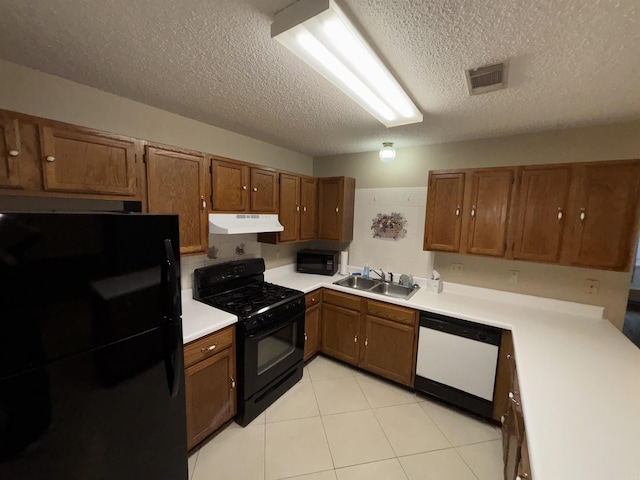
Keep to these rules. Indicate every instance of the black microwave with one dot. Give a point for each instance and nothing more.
(321, 262)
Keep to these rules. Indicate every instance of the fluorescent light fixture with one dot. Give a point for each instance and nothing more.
(319, 32)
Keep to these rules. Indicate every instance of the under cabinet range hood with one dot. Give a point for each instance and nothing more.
(233, 223)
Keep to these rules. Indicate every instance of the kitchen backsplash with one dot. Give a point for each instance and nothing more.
(222, 248)
(388, 230)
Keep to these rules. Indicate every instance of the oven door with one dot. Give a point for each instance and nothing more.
(271, 352)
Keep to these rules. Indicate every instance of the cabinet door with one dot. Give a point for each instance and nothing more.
(329, 202)
(10, 150)
(541, 216)
(229, 186)
(264, 190)
(88, 162)
(308, 208)
(503, 376)
(210, 395)
(444, 212)
(388, 349)
(289, 215)
(524, 466)
(176, 185)
(340, 328)
(311, 331)
(489, 211)
(605, 215)
(511, 444)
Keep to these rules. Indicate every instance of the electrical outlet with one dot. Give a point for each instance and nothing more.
(592, 286)
(513, 276)
(456, 268)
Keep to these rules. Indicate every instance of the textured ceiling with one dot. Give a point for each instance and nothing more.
(572, 63)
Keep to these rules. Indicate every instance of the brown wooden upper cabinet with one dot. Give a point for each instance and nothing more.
(10, 149)
(541, 215)
(468, 211)
(488, 211)
(577, 214)
(264, 190)
(604, 215)
(87, 161)
(336, 197)
(444, 215)
(308, 208)
(176, 184)
(289, 207)
(239, 187)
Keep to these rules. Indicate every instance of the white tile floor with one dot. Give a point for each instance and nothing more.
(339, 423)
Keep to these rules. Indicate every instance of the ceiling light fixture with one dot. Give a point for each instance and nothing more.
(319, 32)
(387, 152)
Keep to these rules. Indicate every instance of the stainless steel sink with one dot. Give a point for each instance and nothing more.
(393, 290)
(359, 283)
(378, 286)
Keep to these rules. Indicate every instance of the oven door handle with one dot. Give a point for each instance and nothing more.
(271, 330)
(172, 325)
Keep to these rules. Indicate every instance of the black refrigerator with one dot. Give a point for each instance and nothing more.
(91, 356)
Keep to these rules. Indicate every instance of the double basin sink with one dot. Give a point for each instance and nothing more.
(378, 286)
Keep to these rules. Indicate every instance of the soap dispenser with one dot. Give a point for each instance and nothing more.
(366, 271)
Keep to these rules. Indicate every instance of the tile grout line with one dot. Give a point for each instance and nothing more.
(324, 429)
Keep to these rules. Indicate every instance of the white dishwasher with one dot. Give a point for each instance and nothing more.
(457, 361)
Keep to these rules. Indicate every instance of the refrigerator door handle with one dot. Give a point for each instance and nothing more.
(174, 363)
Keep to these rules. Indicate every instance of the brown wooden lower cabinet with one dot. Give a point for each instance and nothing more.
(514, 438)
(376, 336)
(312, 324)
(388, 349)
(210, 384)
(340, 331)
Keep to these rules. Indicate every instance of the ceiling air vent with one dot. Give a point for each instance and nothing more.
(487, 79)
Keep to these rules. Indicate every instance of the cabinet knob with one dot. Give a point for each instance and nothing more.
(524, 476)
(502, 419)
(473, 212)
(355, 339)
(209, 349)
(457, 211)
(51, 158)
(14, 153)
(233, 382)
(313, 300)
(559, 213)
(512, 397)
(337, 209)
(244, 187)
(583, 214)
(255, 189)
(304, 209)
(305, 336)
(366, 342)
(203, 204)
(297, 208)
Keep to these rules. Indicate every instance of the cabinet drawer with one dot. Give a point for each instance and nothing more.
(313, 298)
(341, 299)
(391, 312)
(207, 346)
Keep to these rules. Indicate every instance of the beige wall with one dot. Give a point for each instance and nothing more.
(411, 169)
(29, 91)
(32, 92)
(411, 166)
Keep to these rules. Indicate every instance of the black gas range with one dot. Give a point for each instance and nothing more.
(270, 330)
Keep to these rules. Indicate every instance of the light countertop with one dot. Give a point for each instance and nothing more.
(579, 376)
(199, 319)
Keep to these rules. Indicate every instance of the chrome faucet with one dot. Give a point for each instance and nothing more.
(381, 274)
